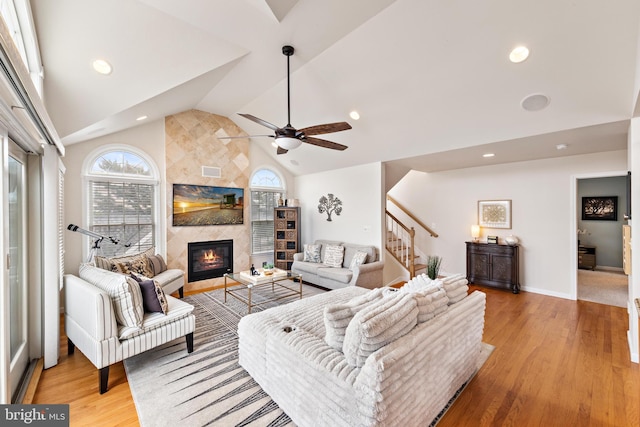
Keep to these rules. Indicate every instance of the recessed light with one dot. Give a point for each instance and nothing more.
(519, 54)
(561, 146)
(535, 102)
(102, 66)
(141, 118)
(488, 155)
(354, 115)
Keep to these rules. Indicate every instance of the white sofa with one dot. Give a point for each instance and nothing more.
(406, 382)
(367, 275)
(91, 321)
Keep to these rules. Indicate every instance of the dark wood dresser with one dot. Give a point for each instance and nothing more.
(493, 265)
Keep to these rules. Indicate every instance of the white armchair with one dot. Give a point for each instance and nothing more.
(90, 324)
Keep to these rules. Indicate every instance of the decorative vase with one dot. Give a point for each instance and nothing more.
(511, 240)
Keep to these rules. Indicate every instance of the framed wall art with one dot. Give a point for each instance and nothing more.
(494, 213)
(600, 208)
(206, 205)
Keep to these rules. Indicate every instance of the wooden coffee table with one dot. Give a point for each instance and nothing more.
(242, 285)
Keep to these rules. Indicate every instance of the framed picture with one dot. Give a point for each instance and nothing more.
(600, 208)
(494, 213)
(492, 239)
(205, 205)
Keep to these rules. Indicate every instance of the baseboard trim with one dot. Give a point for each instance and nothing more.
(635, 357)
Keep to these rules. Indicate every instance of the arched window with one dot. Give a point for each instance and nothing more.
(122, 199)
(266, 189)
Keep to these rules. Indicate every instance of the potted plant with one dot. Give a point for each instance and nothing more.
(433, 266)
(268, 269)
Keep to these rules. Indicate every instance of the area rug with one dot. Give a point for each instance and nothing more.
(208, 387)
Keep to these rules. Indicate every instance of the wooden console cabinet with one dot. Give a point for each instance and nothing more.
(493, 265)
(286, 236)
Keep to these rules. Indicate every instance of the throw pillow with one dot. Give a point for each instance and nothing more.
(139, 265)
(157, 264)
(333, 256)
(104, 263)
(337, 316)
(378, 324)
(124, 292)
(312, 253)
(358, 259)
(153, 297)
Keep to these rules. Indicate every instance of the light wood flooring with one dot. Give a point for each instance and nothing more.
(556, 363)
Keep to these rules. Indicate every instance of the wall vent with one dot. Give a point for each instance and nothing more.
(211, 172)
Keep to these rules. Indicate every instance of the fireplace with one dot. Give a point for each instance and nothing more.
(211, 259)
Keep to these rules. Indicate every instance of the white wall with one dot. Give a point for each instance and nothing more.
(361, 190)
(542, 213)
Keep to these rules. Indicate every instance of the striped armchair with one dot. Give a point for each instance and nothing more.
(105, 320)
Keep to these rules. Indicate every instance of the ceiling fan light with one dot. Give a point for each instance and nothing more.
(288, 143)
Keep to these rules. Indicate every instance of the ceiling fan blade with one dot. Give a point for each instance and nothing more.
(245, 137)
(281, 151)
(324, 143)
(326, 128)
(259, 121)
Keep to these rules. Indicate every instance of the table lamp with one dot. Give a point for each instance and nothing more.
(475, 232)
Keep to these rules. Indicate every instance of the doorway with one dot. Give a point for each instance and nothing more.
(599, 276)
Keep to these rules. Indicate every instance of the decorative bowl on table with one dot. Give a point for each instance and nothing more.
(268, 271)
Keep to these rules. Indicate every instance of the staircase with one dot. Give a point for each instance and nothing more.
(400, 240)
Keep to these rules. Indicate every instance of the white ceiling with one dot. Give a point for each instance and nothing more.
(431, 80)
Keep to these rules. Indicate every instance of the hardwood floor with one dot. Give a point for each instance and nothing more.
(556, 363)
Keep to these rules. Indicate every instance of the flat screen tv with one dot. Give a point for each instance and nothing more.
(197, 205)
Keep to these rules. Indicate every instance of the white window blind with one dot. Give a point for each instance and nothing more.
(262, 204)
(61, 227)
(123, 211)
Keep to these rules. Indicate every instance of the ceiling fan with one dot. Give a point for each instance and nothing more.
(287, 137)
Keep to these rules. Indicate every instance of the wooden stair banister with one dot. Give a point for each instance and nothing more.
(413, 217)
(400, 242)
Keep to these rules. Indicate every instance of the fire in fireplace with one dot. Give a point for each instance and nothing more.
(211, 259)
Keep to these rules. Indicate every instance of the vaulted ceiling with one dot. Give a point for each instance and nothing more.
(432, 81)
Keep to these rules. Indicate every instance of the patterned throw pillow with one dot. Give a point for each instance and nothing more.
(333, 256)
(139, 265)
(358, 259)
(153, 297)
(312, 253)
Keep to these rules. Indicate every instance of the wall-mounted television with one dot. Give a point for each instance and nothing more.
(197, 205)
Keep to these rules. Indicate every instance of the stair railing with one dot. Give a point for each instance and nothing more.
(400, 241)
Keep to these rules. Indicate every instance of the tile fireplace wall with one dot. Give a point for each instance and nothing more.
(191, 140)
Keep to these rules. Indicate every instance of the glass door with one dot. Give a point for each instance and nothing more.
(18, 345)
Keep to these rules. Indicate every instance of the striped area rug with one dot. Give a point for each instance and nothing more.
(208, 387)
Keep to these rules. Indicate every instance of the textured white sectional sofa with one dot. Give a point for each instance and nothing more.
(403, 375)
(366, 275)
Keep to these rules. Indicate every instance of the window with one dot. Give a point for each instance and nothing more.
(122, 205)
(266, 190)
